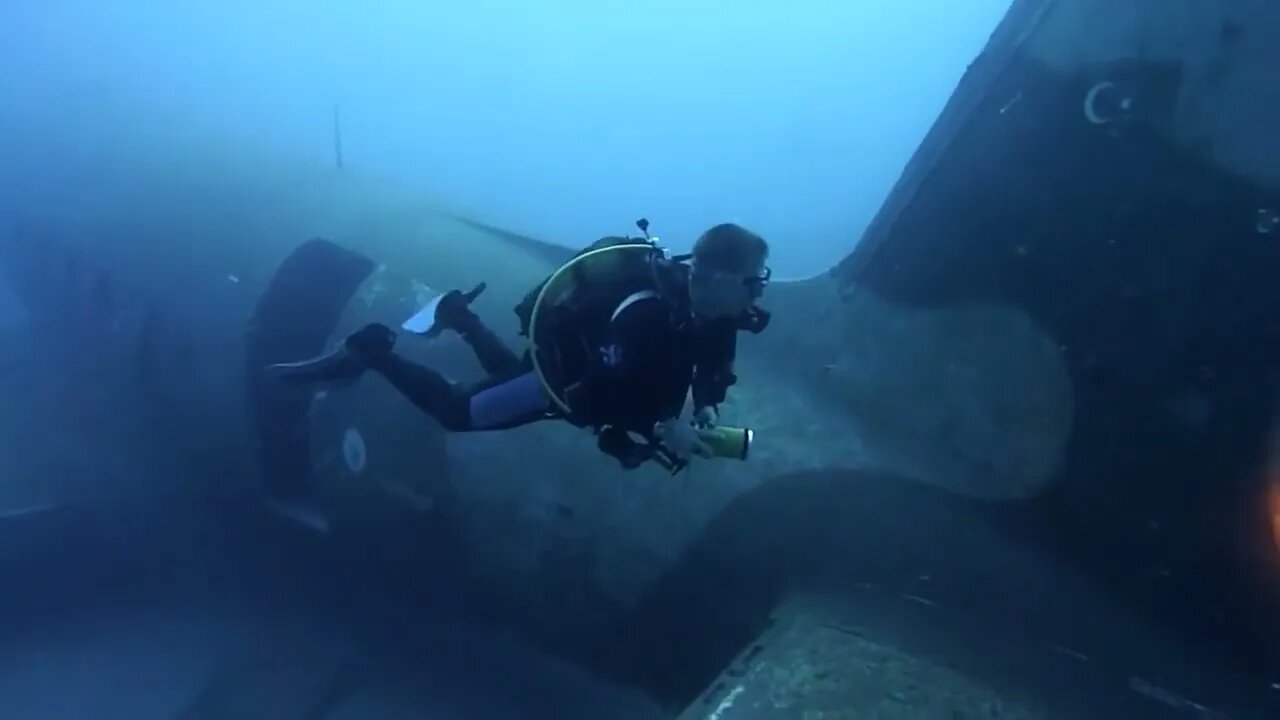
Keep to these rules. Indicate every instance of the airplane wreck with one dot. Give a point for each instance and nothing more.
(1018, 455)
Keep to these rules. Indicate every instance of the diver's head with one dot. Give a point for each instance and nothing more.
(728, 272)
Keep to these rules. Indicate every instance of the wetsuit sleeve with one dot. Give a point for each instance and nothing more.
(713, 374)
(641, 335)
(650, 370)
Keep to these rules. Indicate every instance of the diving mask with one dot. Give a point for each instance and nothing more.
(717, 294)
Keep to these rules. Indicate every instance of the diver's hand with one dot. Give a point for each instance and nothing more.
(682, 438)
(706, 417)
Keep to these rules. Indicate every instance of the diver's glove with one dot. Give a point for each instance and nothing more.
(454, 311)
(706, 416)
(682, 439)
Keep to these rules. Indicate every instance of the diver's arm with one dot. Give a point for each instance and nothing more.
(644, 335)
(622, 367)
(639, 333)
(714, 375)
(648, 368)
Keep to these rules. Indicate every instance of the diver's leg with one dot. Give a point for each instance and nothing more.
(511, 402)
(454, 313)
(372, 341)
(346, 364)
(426, 388)
(497, 403)
(495, 357)
(494, 405)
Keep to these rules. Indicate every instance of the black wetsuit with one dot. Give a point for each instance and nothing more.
(628, 356)
(632, 358)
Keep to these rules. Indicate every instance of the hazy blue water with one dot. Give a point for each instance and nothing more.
(13, 312)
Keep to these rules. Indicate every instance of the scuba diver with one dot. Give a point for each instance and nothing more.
(619, 338)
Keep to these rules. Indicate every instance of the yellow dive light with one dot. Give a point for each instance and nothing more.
(728, 442)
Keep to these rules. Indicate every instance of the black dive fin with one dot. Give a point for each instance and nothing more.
(341, 364)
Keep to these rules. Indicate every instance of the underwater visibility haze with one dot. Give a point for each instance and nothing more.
(997, 428)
